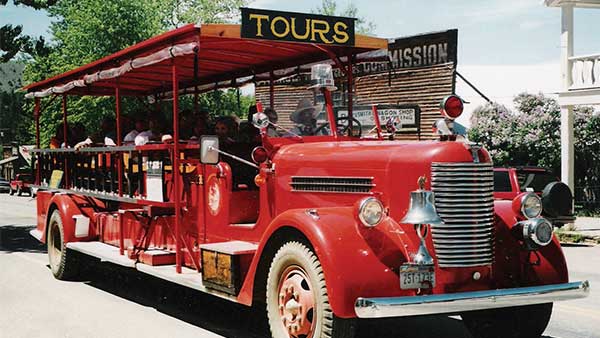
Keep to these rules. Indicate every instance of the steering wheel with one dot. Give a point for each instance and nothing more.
(341, 128)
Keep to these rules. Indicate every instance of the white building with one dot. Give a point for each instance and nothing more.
(580, 83)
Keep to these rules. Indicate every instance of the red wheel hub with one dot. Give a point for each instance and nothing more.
(296, 303)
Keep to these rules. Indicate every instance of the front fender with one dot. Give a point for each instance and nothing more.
(357, 261)
(516, 266)
(67, 206)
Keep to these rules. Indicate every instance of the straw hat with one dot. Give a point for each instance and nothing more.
(304, 105)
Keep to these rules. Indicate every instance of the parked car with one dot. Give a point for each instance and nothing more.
(556, 197)
(20, 184)
(4, 185)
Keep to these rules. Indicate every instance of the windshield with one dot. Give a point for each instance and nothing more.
(534, 180)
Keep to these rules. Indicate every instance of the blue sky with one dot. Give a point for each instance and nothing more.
(505, 47)
(490, 32)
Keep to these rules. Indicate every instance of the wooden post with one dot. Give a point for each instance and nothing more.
(567, 151)
(119, 155)
(175, 161)
(65, 140)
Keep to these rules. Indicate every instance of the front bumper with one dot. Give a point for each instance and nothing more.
(468, 301)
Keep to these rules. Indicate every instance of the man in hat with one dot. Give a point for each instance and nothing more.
(305, 118)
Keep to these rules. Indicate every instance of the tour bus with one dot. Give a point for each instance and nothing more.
(319, 225)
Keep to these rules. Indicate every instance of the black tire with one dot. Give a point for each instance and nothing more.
(514, 322)
(63, 262)
(19, 191)
(12, 192)
(296, 264)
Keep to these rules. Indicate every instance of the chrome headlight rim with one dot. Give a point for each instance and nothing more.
(363, 209)
(524, 200)
(531, 228)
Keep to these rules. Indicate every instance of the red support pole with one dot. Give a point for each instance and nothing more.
(36, 115)
(119, 155)
(377, 122)
(271, 90)
(330, 114)
(176, 176)
(65, 140)
(350, 80)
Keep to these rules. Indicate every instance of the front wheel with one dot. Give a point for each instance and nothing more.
(12, 192)
(63, 263)
(297, 300)
(515, 322)
(19, 191)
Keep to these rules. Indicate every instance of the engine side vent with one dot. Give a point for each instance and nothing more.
(360, 185)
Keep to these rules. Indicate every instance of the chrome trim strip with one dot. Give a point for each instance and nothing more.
(468, 301)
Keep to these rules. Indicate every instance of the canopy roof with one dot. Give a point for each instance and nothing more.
(222, 55)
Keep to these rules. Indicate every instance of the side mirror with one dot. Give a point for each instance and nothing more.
(260, 120)
(209, 149)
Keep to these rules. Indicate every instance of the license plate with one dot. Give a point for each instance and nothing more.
(417, 276)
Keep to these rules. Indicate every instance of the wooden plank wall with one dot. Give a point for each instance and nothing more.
(425, 86)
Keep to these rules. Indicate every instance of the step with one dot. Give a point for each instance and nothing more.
(105, 252)
(233, 248)
(156, 257)
(188, 277)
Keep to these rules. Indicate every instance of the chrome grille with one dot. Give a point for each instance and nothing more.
(332, 184)
(464, 199)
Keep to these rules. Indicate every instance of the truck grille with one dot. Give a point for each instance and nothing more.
(464, 199)
(332, 184)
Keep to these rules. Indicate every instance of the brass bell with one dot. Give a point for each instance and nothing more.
(421, 209)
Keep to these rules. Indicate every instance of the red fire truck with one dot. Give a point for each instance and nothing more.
(322, 227)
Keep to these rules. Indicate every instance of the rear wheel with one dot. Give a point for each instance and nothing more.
(297, 301)
(12, 192)
(63, 263)
(514, 322)
(19, 191)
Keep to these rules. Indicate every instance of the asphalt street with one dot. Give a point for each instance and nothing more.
(116, 302)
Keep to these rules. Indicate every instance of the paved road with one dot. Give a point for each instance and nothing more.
(118, 302)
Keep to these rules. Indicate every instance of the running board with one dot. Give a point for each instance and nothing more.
(188, 277)
(106, 253)
(35, 233)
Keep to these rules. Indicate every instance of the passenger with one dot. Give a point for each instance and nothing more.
(105, 136)
(249, 133)
(152, 134)
(225, 129)
(140, 126)
(305, 117)
(273, 118)
(78, 133)
(200, 128)
(57, 141)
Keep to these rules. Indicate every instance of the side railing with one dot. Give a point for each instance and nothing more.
(585, 71)
(115, 173)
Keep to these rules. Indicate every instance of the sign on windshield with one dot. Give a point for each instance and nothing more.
(297, 27)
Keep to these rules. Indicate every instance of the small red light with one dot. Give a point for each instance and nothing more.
(452, 106)
(259, 107)
(259, 155)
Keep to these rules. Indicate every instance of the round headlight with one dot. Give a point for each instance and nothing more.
(531, 205)
(370, 211)
(539, 231)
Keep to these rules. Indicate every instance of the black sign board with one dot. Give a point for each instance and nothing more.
(297, 27)
(423, 50)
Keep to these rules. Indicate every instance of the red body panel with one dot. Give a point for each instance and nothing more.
(357, 261)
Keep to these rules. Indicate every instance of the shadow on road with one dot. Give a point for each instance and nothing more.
(16, 238)
(233, 320)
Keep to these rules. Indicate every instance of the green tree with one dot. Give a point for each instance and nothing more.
(330, 7)
(174, 13)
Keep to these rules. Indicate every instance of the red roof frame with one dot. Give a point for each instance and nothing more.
(222, 56)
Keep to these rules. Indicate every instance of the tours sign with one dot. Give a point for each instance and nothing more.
(297, 27)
